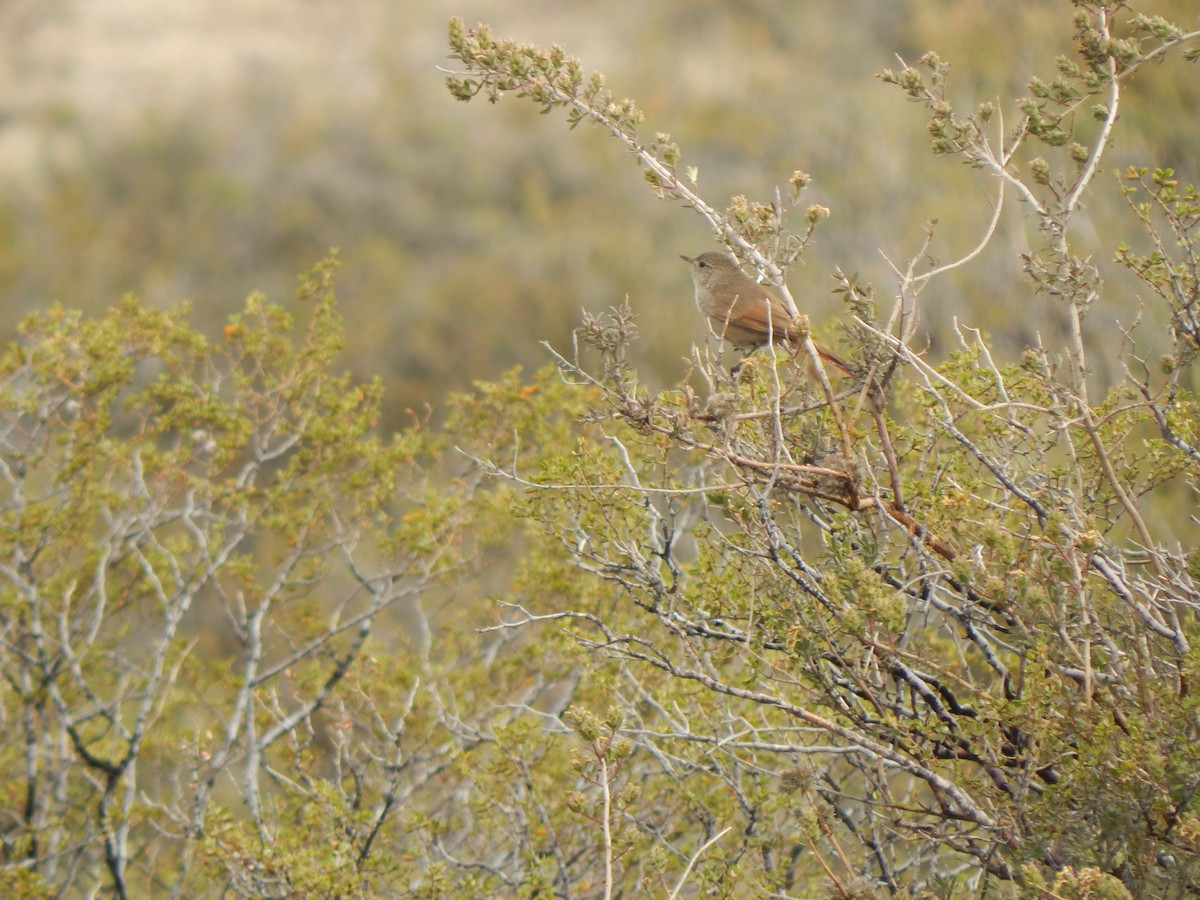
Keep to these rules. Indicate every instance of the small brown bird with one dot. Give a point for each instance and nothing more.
(742, 311)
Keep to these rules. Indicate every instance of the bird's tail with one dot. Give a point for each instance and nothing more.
(828, 356)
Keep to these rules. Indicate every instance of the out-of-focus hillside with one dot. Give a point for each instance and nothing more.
(204, 150)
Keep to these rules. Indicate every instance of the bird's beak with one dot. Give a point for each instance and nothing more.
(687, 259)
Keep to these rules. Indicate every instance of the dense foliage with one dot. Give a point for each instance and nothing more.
(923, 630)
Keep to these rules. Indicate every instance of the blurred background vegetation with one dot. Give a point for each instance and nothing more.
(204, 150)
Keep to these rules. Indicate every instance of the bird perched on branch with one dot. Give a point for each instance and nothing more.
(743, 312)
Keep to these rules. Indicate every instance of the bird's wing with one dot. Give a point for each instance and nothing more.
(764, 312)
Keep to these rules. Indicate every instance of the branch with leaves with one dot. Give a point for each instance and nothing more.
(933, 599)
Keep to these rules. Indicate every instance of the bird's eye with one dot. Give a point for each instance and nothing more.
(703, 265)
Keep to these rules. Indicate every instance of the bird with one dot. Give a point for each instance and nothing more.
(741, 311)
